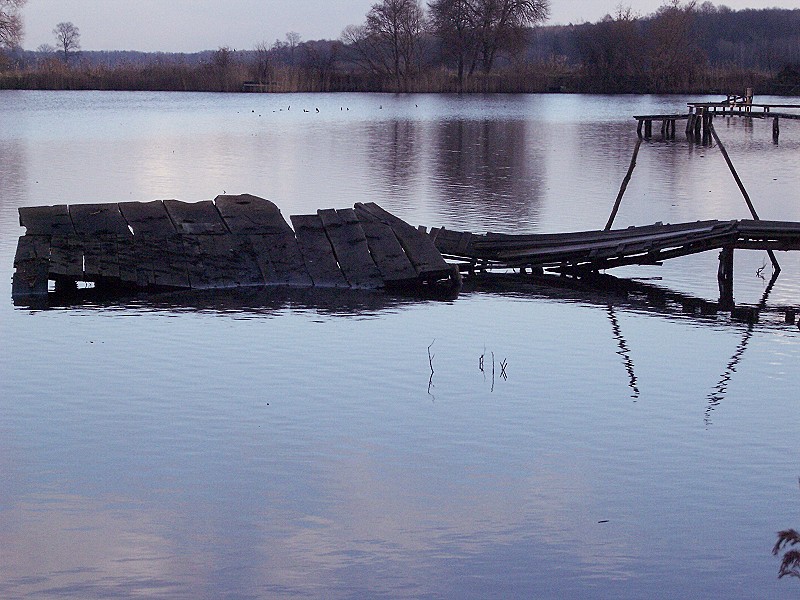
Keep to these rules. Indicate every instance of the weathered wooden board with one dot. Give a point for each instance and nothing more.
(246, 214)
(387, 252)
(280, 260)
(195, 217)
(220, 261)
(317, 251)
(46, 220)
(66, 256)
(147, 218)
(98, 219)
(419, 248)
(100, 257)
(31, 262)
(168, 259)
(351, 249)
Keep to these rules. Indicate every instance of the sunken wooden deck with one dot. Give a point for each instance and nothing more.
(232, 241)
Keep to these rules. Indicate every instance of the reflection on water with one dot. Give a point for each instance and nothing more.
(624, 352)
(256, 443)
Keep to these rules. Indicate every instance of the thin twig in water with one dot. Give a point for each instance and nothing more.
(430, 358)
(492, 371)
(760, 270)
(503, 365)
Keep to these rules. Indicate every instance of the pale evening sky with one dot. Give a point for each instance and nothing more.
(193, 25)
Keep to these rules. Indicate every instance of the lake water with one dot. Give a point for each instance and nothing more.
(274, 445)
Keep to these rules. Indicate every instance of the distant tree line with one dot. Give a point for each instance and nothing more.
(456, 46)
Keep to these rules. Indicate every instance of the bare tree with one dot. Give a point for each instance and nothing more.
(475, 31)
(673, 39)
(10, 23)
(453, 21)
(261, 66)
(292, 41)
(389, 42)
(501, 24)
(222, 64)
(611, 53)
(68, 39)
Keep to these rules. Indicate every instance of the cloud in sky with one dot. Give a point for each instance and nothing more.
(193, 25)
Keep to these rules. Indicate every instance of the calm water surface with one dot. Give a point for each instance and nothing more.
(268, 445)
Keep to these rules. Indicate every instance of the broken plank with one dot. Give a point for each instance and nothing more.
(350, 247)
(246, 214)
(31, 263)
(147, 218)
(46, 220)
(98, 219)
(317, 251)
(279, 258)
(220, 261)
(168, 259)
(100, 257)
(195, 217)
(419, 248)
(66, 256)
(387, 252)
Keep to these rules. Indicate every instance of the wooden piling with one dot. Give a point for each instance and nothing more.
(776, 129)
(725, 278)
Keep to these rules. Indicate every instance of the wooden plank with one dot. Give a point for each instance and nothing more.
(246, 214)
(66, 256)
(350, 247)
(387, 252)
(128, 261)
(100, 257)
(419, 248)
(147, 218)
(31, 263)
(317, 251)
(98, 219)
(280, 260)
(195, 217)
(220, 261)
(46, 220)
(168, 259)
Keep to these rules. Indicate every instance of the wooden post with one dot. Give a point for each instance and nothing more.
(648, 128)
(698, 123)
(725, 278)
(624, 185)
(707, 117)
(639, 128)
(690, 121)
(664, 134)
(776, 130)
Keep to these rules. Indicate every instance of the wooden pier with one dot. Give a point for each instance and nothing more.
(233, 241)
(701, 114)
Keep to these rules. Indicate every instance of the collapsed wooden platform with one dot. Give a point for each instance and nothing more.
(591, 251)
(232, 241)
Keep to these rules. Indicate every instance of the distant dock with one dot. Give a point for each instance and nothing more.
(700, 115)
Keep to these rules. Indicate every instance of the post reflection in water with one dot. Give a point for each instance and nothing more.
(721, 388)
(624, 352)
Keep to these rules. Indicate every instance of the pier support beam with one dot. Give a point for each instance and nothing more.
(776, 130)
(725, 278)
